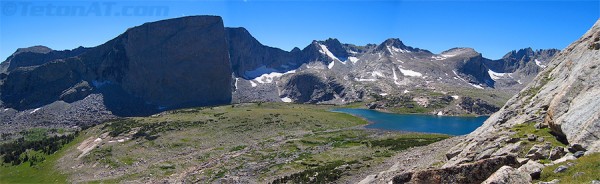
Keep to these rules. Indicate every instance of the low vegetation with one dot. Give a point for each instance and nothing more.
(43, 169)
(583, 170)
(270, 142)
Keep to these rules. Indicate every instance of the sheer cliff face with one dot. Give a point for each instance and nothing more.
(172, 63)
(178, 62)
(564, 97)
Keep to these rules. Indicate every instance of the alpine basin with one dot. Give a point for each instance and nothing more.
(451, 125)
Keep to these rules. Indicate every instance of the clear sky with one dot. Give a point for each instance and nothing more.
(490, 27)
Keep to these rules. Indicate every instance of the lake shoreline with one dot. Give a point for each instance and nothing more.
(415, 123)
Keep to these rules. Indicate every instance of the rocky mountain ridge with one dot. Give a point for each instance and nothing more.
(195, 61)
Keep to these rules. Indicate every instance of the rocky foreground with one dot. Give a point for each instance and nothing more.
(552, 123)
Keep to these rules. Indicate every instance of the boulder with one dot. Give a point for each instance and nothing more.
(475, 172)
(560, 169)
(567, 157)
(557, 152)
(509, 149)
(539, 151)
(531, 137)
(507, 174)
(533, 168)
(578, 154)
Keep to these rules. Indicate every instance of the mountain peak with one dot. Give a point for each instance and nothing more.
(459, 50)
(395, 44)
(35, 49)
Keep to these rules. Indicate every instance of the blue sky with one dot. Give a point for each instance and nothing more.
(491, 27)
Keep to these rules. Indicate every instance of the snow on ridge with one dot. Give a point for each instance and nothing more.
(495, 76)
(397, 49)
(438, 58)
(447, 55)
(539, 63)
(410, 73)
(352, 59)
(325, 50)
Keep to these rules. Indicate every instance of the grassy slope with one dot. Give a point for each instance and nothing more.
(586, 169)
(44, 172)
(263, 142)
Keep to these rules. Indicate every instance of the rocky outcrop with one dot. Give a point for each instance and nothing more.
(561, 97)
(475, 172)
(250, 59)
(516, 60)
(172, 63)
(507, 174)
(477, 106)
(476, 71)
(36, 55)
(309, 88)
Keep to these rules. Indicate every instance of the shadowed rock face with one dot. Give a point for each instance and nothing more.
(247, 54)
(167, 64)
(309, 88)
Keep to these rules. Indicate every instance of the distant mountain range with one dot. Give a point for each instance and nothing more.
(196, 61)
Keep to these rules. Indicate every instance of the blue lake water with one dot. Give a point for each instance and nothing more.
(451, 125)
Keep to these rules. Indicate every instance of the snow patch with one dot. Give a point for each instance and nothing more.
(539, 63)
(440, 113)
(395, 77)
(253, 84)
(519, 81)
(326, 51)
(34, 110)
(259, 71)
(236, 81)
(268, 78)
(330, 66)
(406, 91)
(455, 97)
(476, 86)
(410, 73)
(438, 58)
(377, 73)
(383, 94)
(365, 80)
(496, 76)
(394, 49)
(447, 55)
(353, 59)
(287, 100)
